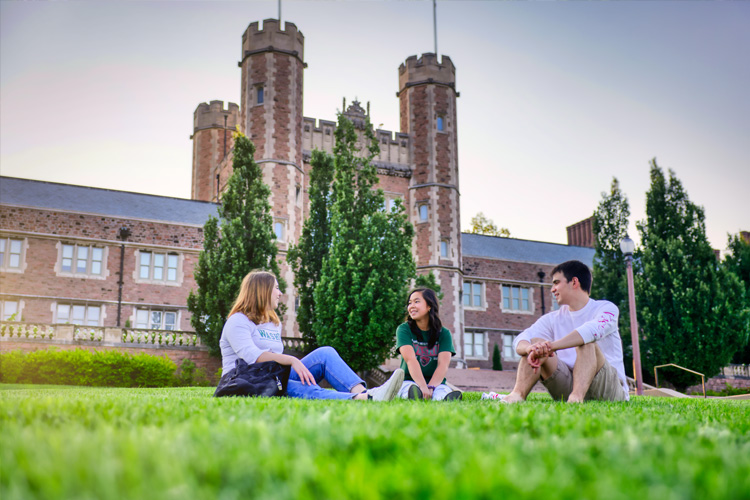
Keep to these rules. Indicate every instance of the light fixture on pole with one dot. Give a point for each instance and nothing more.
(628, 247)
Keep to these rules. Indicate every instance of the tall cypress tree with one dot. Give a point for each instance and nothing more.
(306, 258)
(738, 262)
(359, 299)
(610, 226)
(240, 240)
(690, 308)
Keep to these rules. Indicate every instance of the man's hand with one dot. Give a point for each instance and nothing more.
(538, 353)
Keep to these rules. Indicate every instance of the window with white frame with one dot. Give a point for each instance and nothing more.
(472, 294)
(440, 123)
(509, 354)
(154, 266)
(81, 259)
(423, 211)
(555, 305)
(155, 319)
(389, 203)
(516, 298)
(78, 314)
(11, 254)
(474, 344)
(8, 310)
(278, 229)
(260, 94)
(444, 249)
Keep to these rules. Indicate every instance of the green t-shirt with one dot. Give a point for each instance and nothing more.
(428, 358)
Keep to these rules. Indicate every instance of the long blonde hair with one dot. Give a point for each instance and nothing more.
(255, 298)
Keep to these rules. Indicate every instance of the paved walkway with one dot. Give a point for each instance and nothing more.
(485, 380)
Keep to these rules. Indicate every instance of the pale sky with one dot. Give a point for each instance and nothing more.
(556, 97)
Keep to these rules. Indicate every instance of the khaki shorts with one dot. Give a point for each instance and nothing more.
(606, 385)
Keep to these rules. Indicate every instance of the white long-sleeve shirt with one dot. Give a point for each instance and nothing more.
(595, 322)
(241, 338)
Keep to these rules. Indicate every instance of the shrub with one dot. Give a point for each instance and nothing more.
(188, 375)
(497, 363)
(88, 368)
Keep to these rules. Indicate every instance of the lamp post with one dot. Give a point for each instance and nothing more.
(628, 246)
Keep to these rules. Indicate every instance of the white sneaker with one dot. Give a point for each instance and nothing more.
(387, 391)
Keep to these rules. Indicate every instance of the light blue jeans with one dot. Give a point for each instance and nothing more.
(324, 363)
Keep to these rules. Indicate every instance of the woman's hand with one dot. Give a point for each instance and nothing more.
(304, 374)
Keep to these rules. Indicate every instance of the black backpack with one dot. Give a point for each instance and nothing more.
(268, 378)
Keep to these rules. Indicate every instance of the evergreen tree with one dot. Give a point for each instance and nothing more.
(738, 262)
(359, 298)
(240, 240)
(497, 362)
(306, 258)
(690, 308)
(610, 226)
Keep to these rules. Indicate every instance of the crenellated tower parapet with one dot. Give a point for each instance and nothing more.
(213, 125)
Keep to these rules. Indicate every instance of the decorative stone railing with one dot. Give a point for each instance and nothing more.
(14, 330)
(736, 371)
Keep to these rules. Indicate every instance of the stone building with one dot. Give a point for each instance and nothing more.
(63, 246)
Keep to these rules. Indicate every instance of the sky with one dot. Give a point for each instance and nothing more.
(556, 98)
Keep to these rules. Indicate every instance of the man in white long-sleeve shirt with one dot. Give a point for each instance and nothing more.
(577, 349)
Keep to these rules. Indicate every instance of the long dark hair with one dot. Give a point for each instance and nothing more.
(435, 326)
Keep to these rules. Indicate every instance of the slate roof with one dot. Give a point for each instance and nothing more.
(108, 202)
(478, 245)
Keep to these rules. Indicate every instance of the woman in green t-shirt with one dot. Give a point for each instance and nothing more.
(426, 348)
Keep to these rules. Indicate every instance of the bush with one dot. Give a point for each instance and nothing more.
(190, 376)
(497, 363)
(87, 368)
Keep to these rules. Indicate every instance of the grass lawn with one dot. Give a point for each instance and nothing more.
(180, 443)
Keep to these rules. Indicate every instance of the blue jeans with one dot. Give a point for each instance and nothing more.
(324, 363)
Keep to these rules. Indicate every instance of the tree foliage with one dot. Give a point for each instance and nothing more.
(738, 262)
(610, 226)
(690, 308)
(359, 298)
(481, 224)
(428, 281)
(306, 258)
(239, 240)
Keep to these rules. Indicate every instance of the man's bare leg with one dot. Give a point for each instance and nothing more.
(589, 360)
(526, 378)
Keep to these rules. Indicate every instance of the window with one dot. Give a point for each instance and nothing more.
(78, 314)
(157, 266)
(440, 123)
(516, 298)
(474, 344)
(555, 305)
(472, 294)
(259, 94)
(509, 354)
(278, 230)
(82, 259)
(389, 203)
(422, 209)
(444, 249)
(8, 309)
(11, 254)
(155, 320)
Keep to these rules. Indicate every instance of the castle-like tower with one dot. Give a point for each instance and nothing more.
(427, 94)
(212, 141)
(419, 165)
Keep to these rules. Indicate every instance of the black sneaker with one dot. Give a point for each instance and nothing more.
(454, 395)
(415, 392)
